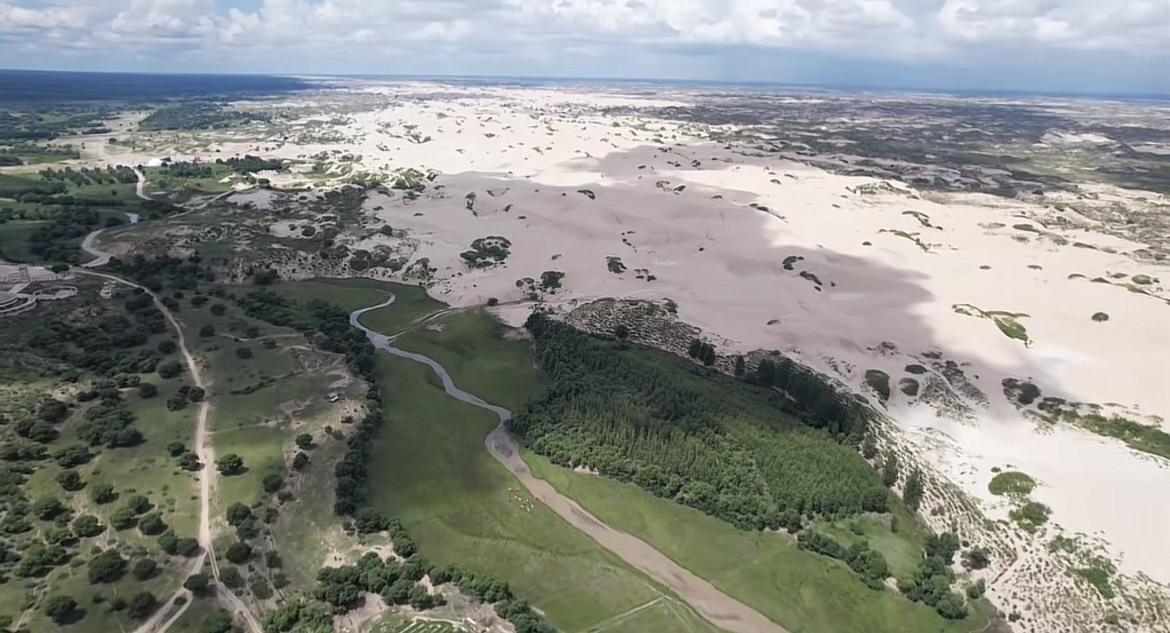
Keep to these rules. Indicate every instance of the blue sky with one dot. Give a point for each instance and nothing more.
(1039, 45)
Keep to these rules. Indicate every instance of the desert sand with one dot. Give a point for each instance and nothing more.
(873, 277)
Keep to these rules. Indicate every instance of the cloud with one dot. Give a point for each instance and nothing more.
(598, 37)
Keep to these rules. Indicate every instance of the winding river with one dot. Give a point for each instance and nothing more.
(717, 607)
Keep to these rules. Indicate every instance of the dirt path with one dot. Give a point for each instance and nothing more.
(206, 455)
(717, 607)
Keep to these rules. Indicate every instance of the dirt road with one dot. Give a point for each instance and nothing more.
(717, 607)
(206, 455)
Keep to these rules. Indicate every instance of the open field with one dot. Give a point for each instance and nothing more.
(411, 302)
(462, 507)
(472, 347)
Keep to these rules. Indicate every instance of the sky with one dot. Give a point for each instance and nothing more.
(1080, 46)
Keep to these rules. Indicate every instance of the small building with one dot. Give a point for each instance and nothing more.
(109, 290)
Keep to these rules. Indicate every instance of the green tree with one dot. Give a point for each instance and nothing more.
(197, 583)
(890, 470)
(238, 552)
(144, 568)
(230, 464)
(102, 493)
(60, 608)
(147, 390)
(142, 605)
(87, 525)
(70, 480)
(304, 441)
(106, 567)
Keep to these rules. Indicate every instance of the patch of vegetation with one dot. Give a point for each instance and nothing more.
(1007, 322)
(550, 280)
(913, 237)
(908, 386)
(198, 116)
(1011, 482)
(879, 381)
(1099, 573)
(1100, 317)
(790, 260)
(487, 251)
(917, 370)
(615, 265)
(1031, 515)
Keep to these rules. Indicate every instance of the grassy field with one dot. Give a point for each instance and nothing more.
(803, 592)
(463, 507)
(472, 347)
(411, 302)
(14, 239)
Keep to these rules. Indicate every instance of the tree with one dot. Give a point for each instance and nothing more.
(123, 519)
(221, 622)
(147, 390)
(976, 558)
(106, 567)
(167, 346)
(272, 482)
(890, 470)
(142, 605)
(492, 301)
(152, 524)
(230, 577)
(190, 462)
(300, 461)
(60, 608)
(169, 369)
(144, 568)
(139, 504)
(914, 490)
(238, 552)
(218, 309)
(304, 441)
(47, 508)
(176, 448)
(197, 583)
(207, 331)
(230, 464)
(70, 480)
(87, 525)
(102, 493)
(243, 353)
(237, 513)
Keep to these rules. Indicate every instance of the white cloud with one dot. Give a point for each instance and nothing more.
(336, 35)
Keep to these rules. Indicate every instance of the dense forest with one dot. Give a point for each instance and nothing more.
(197, 115)
(706, 441)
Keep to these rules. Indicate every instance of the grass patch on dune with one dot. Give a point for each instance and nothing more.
(1011, 482)
(429, 467)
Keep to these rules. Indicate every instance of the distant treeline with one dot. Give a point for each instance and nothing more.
(36, 86)
(197, 116)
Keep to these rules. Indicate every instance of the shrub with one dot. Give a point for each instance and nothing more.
(142, 605)
(147, 390)
(60, 608)
(243, 353)
(230, 464)
(1011, 482)
(106, 567)
(1100, 317)
(197, 583)
(144, 568)
(238, 552)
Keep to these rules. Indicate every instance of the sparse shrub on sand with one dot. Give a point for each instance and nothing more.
(1100, 317)
(879, 381)
(587, 193)
(917, 370)
(1011, 482)
(790, 260)
(1019, 391)
(1031, 516)
(550, 280)
(487, 251)
(615, 265)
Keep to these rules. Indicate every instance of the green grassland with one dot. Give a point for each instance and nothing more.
(14, 239)
(411, 303)
(431, 470)
(472, 348)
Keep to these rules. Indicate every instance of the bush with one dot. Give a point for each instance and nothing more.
(106, 567)
(1100, 317)
(144, 569)
(207, 331)
(218, 309)
(102, 493)
(304, 441)
(230, 464)
(197, 583)
(142, 605)
(147, 390)
(238, 552)
(167, 346)
(60, 609)
(272, 482)
(87, 525)
(492, 301)
(243, 353)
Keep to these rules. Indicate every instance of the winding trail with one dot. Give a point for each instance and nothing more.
(100, 257)
(717, 607)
